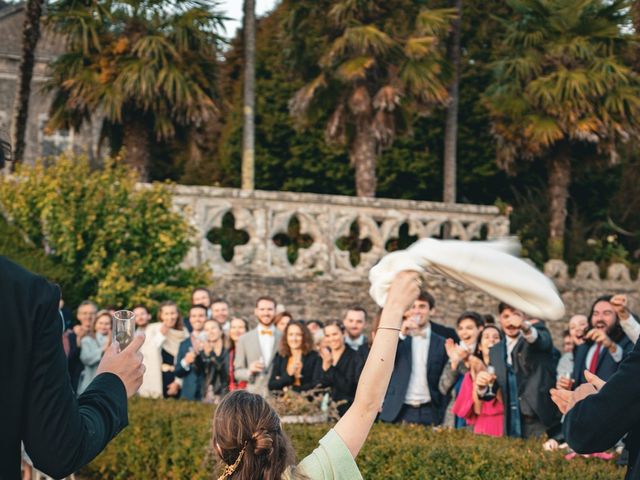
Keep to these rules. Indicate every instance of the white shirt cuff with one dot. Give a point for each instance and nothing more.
(532, 336)
(185, 365)
(617, 355)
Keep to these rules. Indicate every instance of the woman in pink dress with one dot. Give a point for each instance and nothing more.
(486, 417)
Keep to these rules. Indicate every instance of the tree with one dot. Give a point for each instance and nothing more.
(451, 126)
(374, 66)
(562, 89)
(147, 66)
(30, 37)
(248, 132)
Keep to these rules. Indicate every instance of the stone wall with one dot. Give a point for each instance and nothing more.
(323, 279)
(325, 299)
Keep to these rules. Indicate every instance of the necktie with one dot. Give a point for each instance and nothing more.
(266, 332)
(594, 360)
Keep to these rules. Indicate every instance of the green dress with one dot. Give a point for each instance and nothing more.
(330, 461)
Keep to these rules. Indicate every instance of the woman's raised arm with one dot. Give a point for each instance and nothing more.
(356, 423)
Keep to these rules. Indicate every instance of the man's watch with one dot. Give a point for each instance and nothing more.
(526, 327)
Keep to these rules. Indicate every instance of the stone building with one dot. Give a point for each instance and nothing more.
(40, 141)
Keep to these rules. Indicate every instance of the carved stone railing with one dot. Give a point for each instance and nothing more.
(588, 275)
(302, 234)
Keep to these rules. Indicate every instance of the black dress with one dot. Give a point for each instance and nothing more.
(215, 369)
(310, 375)
(342, 378)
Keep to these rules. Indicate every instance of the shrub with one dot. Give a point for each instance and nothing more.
(170, 440)
(16, 248)
(122, 244)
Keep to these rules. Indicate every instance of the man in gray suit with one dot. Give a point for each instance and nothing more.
(255, 349)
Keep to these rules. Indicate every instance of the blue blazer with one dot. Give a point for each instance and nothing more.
(606, 366)
(192, 379)
(436, 360)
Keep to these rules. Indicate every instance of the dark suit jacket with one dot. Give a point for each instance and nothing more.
(311, 366)
(444, 331)
(74, 363)
(436, 360)
(192, 379)
(596, 423)
(606, 366)
(535, 369)
(60, 433)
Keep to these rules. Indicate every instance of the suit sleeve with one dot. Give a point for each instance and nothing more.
(240, 363)
(181, 372)
(62, 433)
(595, 423)
(543, 343)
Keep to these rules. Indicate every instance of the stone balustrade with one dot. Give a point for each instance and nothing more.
(301, 234)
(313, 252)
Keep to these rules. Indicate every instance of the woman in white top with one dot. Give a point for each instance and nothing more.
(248, 437)
(93, 346)
(160, 350)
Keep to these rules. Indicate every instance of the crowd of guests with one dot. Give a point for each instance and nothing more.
(489, 375)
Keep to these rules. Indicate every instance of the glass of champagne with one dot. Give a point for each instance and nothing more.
(124, 327)
(492, 371)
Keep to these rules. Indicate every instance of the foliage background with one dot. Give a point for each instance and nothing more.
(111, 241)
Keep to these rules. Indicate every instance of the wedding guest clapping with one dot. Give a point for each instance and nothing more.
(237, 328)
(92, 348)
(192, 378)
(213, 363)
(341, 366)
(160, 350)
(296, 366)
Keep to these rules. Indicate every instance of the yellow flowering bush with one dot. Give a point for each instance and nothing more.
(123, 244)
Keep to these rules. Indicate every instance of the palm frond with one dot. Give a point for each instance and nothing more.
(354, 68)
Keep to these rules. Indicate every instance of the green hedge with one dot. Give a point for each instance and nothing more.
(170, 440)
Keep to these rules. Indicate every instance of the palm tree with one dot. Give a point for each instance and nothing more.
(451, 124)
(30, 37)
(248, 131)
(377, 64)
(562, 85)
(147, 66)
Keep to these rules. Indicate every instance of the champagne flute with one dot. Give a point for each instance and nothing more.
(492, 371)
(124, 327)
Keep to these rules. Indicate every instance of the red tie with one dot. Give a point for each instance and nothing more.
(594, 360)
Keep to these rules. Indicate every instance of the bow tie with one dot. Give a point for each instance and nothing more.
(266, 332)
(421, 333)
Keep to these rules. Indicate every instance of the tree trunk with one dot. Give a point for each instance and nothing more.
(30, 36)
(451, 126)
(137, 143)
(248, 130)
(363, 157)
(559, 172)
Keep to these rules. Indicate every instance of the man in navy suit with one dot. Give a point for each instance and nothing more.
(606, 343)
(413, 395)
(192, 379)
(38, 407)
